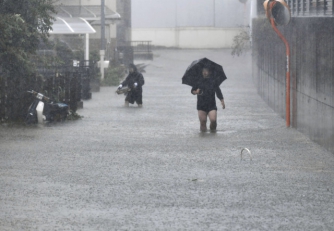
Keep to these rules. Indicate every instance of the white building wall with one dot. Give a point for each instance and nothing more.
(187, 37)
(189, 23)
(190, 13)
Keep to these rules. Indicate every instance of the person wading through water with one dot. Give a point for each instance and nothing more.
(206, 90)
(135, 82)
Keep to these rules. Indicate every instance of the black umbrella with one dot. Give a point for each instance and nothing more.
(193, 73)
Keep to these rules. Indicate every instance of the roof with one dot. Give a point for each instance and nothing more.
(78, 19)
(71, 26)
(90, 13)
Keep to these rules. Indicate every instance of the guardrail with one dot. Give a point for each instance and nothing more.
(309, 8)
(142, 49)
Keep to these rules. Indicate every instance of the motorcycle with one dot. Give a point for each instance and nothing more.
(43, 110)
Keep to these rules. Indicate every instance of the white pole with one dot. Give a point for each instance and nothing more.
(87, 50)
(253, 14)
(102, 52)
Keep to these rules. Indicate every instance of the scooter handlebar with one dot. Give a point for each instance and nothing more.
(32, 92)
(46, 98)
(40, 96)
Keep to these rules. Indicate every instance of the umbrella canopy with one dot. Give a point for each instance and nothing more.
(193, 73)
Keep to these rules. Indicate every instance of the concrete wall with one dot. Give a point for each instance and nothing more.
(312, 73)
(187, 37)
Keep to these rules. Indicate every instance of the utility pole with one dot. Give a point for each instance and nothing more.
(103, 43)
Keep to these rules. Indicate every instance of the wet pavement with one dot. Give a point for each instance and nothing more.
(151, 169)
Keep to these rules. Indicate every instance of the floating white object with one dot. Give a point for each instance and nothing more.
(105, 63)
(249, 152)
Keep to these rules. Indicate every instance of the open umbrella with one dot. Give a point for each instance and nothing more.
(193, 73)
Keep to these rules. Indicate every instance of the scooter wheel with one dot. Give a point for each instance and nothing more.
(63, 117)
(30, 119)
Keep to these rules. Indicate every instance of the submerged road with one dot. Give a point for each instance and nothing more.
(151, 169)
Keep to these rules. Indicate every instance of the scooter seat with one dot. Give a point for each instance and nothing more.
(62, 105)
(58, 106)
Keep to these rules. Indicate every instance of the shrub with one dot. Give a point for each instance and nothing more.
(113, 75)
(240, 42)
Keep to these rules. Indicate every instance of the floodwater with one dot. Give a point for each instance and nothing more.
(151, 169)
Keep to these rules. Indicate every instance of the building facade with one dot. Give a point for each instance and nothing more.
(90, 10)
(189, 23)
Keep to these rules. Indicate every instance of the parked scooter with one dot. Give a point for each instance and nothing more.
(43, 110)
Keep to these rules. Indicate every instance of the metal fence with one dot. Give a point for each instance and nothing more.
(307, 8)
(67, 84)
(142, 49)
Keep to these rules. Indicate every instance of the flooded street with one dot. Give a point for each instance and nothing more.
(150, 168)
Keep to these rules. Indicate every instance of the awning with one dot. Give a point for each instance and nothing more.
(90, 13)
(71, 26)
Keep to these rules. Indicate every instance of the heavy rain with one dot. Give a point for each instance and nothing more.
(166, 115)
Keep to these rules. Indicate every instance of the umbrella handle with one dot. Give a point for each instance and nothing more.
(201, 92)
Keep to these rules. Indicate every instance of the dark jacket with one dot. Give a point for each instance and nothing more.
(206, 100)
(135, 95)
(132, 78)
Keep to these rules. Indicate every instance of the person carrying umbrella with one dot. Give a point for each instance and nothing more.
(205, 77)
(134, 81)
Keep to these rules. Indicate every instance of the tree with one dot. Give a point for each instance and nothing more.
(23, 24)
